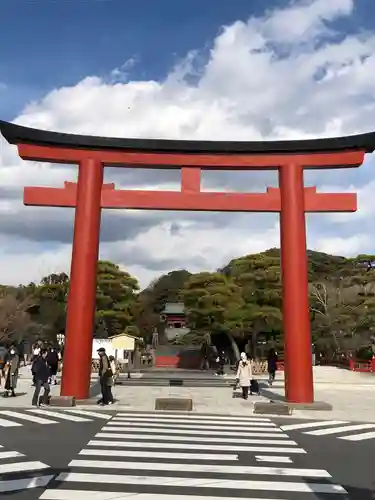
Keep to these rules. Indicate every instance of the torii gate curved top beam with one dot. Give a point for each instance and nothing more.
(16, 134)
(292, 200)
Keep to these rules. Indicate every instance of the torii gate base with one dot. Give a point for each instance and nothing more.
(292, 200)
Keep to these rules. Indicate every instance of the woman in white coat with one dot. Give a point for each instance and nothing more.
(244, 375)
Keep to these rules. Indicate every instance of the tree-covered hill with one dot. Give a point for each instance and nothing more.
(241, 301)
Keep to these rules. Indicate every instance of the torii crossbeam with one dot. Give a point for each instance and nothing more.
(89, 196)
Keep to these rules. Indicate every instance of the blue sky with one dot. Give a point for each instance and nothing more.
(51, 43)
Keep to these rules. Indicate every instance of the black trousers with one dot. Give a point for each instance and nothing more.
(38, 387)
(105, 390)
(245, 392)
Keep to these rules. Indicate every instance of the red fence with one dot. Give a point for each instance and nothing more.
(357, 365)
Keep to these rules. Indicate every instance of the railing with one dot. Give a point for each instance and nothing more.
(261, 366)
(362, 366)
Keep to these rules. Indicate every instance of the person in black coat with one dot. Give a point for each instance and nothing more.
(53, 363)
(271, 365)
(42, 374)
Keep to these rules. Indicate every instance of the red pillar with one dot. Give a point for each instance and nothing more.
(299, 386)
(81, 301)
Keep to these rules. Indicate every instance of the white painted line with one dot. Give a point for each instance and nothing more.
(95, 414)
(10, 454)
(8, 423)
(308, 425)
(29, 418)
(189, 446)
(22, 467)
(63, 416)
(106, 495)
(24, 484)
(201, 483)
(273, 458)
(209, 468)
(158, 454)
(205, 439)
(359, 437)
(242, 425)
(259, 434)
(168, 425)
(338, 430)
(189, 416)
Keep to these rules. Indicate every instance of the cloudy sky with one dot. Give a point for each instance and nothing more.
(237, 70)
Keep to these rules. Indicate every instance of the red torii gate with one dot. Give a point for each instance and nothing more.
(89, 196)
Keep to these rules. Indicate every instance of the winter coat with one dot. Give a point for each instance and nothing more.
(12, 372)
(52, 358)
(41, 370)
(104, 367)
(272, 362)
(244, 373)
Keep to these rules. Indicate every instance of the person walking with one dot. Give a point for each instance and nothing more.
(271, 365)
(111, 380)
(12, 367)
(221, 362)
(244, 375)
(42, 374)
(105, 376)
(53, 363)
(35, 355)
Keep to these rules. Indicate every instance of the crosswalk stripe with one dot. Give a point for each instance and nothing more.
(260, 433)
(22, 467)
(63, 416)
(167, 425)
(338, 430)
(24, 484)
(114, 435)
(308, 425)
(209, 468)
(189, 446)
(201, 483)
(359, 437)
(107, 495)
(273, 458)
(242, 425)
(190, 416)
(9, 423)
(86, 413)
(10, 454)
(29, 418)
(158, 454)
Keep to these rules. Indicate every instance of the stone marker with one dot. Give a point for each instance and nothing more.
(174, 404)
(63, 401)
(272, 408)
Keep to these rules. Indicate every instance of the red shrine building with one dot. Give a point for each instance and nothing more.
(174, 319)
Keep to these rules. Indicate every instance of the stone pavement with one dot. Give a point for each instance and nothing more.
(351, 394)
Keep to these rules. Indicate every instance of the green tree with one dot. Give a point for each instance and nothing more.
(258, 277)
(115, 299)
(214, 303)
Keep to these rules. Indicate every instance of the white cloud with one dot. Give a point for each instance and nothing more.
(289, 74)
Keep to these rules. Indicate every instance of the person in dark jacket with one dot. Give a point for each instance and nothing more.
(12, 367)
(105, 377)
(271, 365)
(42, 374)
(53, 363)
